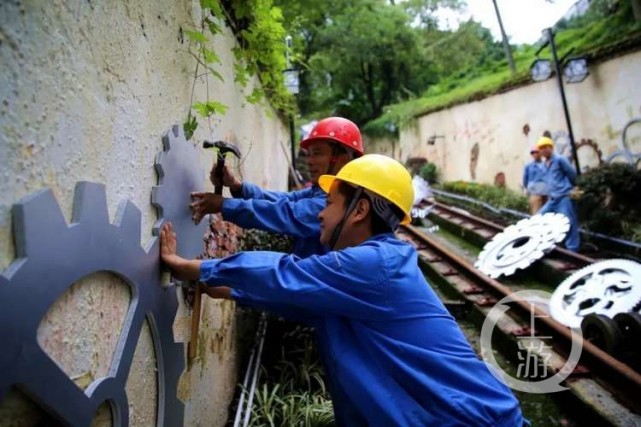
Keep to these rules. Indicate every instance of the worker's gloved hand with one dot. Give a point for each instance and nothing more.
(229, 180)
(205, 203)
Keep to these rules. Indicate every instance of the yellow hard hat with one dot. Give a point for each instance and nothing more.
(544, 141)
(379, 174)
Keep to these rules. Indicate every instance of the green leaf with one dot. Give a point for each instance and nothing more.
(214, 28)
(210, 56)
(240, 74)
(255, 97)
(196, 36)
(190, 126)
(214, 6)
(206, 109)
(216, 74)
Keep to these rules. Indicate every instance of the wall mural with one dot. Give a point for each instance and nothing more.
(624, 151)
(589, 152)
(52, 255)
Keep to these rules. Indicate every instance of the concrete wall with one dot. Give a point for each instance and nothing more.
(387, 146)
(482, 139)
(87, 88)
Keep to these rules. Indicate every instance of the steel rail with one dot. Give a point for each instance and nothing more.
(634, 246)
(613, 371)
(558, 251)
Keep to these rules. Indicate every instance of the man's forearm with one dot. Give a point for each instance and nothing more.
(184, 269)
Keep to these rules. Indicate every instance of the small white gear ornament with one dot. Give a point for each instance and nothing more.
(606, 287)
(521, 244)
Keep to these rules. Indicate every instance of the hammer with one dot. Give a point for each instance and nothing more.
(223, 149)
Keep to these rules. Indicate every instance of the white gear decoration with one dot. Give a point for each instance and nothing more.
(521, 244)
(606, 287)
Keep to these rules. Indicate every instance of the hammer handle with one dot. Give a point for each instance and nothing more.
(192, 347)
(218, 172)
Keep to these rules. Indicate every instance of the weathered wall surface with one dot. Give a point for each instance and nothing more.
(86, 91)
(479, 140)
(387, 146)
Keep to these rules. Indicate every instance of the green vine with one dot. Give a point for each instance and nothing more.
(260, 51)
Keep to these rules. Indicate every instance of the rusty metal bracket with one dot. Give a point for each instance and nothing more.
(524, 331)
(472, 289)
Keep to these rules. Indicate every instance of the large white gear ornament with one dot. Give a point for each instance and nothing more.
(605, 287)
(521, 244)
(51, 257)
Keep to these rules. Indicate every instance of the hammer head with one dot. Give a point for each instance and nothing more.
(223, 147)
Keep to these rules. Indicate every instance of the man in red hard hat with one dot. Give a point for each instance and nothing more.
(331, 144)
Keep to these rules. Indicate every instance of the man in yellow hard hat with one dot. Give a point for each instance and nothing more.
(534, 182)
(560, 177)
(392, 353)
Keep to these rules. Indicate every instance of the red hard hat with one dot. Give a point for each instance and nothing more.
(336, 129)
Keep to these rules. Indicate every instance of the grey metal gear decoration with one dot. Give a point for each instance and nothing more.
(521, 244)
(51, 256)
(605, 287)
(180, 173)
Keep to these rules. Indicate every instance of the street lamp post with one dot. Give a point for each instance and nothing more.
(559, 80)
(506, 43)
(575, 70)
(292, 83)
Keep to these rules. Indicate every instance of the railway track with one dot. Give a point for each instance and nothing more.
(616, 384)
(558, 264)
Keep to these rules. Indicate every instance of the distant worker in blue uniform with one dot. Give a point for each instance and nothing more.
(561, 179)
(534, 181)
(331, 144)
(392, 353)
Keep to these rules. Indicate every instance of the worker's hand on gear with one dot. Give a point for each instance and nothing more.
(203, 204)
(167, 241)
(229, 179)
(218, 292)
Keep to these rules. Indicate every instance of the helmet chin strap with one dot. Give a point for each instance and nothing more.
(333, 160)
(339, 227)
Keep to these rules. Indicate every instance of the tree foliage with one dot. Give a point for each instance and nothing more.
(381, 62)
(260, 51)
(610, 202)
(359, 56)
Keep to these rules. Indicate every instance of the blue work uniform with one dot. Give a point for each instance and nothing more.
(534, 179)
(561, 177)
(392, 353)
(294, 213)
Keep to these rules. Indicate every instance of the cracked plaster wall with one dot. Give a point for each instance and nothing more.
(87, 88)
(600, 107)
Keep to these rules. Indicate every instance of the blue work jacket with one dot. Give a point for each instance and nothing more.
(560, 176)
(534, 180)
(294, 213)
(392, 353)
